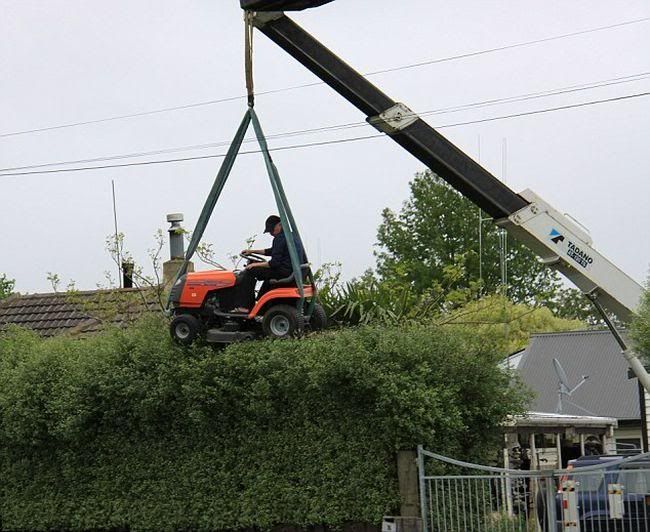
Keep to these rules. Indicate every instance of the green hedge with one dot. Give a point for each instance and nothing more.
(128, 430)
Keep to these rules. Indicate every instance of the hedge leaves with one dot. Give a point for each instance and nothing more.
(126, 429)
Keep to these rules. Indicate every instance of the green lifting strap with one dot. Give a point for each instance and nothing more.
(289, 225)
(286, 217)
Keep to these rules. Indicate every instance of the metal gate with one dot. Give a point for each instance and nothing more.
(457, 496)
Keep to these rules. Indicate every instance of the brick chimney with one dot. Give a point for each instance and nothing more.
(176, 250)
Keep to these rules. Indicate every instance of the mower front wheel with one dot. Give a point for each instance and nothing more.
(185, 328)
(282, 321)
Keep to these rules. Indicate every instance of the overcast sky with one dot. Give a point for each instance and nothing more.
(67, 61)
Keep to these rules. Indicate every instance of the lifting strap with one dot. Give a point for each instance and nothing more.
(215, 192)
(286, 217)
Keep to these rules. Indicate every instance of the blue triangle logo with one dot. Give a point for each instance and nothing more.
(556, 236)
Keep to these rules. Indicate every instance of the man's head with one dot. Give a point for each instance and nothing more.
(273, 225)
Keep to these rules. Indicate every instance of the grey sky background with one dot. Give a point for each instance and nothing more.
(69, 61)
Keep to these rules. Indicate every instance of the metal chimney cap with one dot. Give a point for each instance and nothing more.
(175, 217)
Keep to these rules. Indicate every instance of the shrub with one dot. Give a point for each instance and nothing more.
(128, 430)
(641, 326)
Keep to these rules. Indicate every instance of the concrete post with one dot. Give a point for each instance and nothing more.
(407, 476)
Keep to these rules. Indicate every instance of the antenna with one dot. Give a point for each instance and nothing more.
(503, 236)
(564, 388)
(480, 228)
(117, 241)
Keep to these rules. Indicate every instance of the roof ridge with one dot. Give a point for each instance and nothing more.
(574, 333)
(77, 292)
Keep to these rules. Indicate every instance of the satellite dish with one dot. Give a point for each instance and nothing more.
(564, 389)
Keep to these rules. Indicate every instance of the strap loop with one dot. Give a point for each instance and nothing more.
(248, 57)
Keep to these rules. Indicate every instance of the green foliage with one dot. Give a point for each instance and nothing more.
(572, 304)
(6, 286)
(501, 322)
(126, 429)
(367, 300)
(640, 328)
(438, 227)
(505, 324)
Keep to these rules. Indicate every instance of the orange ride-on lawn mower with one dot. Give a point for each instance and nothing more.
(200, 303)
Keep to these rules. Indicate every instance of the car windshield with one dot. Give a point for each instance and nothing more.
(635, 481)
(635, 478)
(588, 481)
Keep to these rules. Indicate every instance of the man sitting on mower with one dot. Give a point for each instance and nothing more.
(278, 267)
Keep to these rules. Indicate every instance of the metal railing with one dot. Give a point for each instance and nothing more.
(458, 496)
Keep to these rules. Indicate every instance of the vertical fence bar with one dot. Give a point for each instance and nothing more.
(549, 496)
(437, 498)
(442, 509)
(476, 504)
(457, 516)
(429, 487)
(485, 512)
(463, 501)
(422, 484)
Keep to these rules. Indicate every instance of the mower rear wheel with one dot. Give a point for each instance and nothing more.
(282, 321)
(318, 319)
(185, 328)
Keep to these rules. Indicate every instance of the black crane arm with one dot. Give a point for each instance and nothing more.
(395, 119)
(281, 5)
(556, 239)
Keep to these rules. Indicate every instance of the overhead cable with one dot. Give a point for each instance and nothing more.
(313, 84)
(331, 142)
(351, 125)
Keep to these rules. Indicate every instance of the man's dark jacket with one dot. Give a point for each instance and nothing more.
(279, 252)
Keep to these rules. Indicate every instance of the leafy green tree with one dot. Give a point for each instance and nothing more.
(438, 227)
(571, 303)
(505, 324)
(640, 327)
(6, 286)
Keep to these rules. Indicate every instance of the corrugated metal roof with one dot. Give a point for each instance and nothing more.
(76, 312)
(607, 392)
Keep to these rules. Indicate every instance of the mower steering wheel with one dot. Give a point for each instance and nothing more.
(253, 257)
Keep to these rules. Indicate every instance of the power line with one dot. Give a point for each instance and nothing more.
(548, 110)
(317, 83)
(331, 142)
(339, 127)
(511, 46)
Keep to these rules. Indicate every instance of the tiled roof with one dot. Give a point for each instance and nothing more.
(77, 312)
(607, 392)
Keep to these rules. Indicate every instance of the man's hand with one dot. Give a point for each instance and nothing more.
(247, 251)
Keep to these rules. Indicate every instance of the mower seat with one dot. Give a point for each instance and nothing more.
(291, 279)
